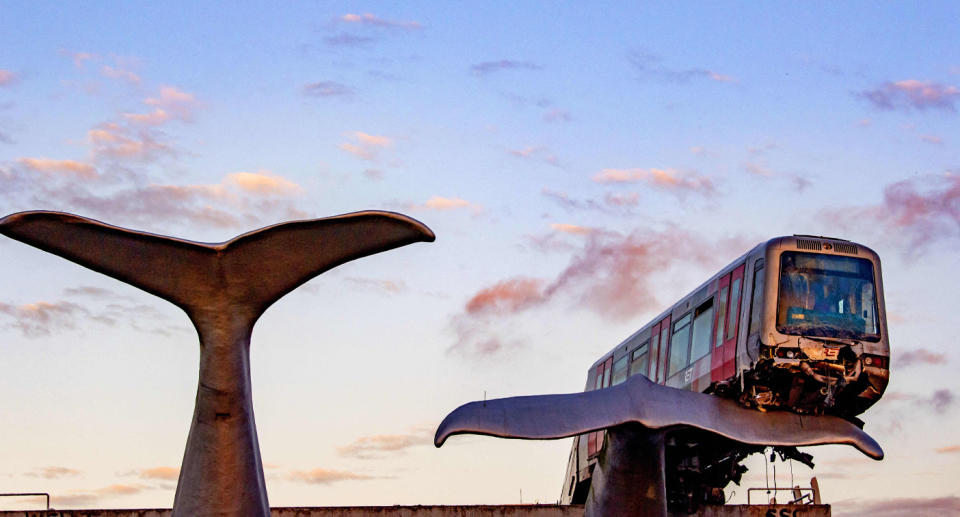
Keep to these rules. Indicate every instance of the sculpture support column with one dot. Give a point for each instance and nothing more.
(222, 471)
(628, 480)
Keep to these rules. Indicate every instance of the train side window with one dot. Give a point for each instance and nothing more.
(598, 383)
(664, 340)
(620, 370)
(756, 301)
(721, 315)
(702, 321)
(734, 308)
(639, 359)
(679, 345)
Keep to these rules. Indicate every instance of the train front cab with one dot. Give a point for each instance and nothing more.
(823, 344)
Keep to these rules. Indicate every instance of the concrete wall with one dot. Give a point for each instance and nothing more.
(450, 511)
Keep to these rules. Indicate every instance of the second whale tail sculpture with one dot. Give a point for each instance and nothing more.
(630, 479)
(223, 288)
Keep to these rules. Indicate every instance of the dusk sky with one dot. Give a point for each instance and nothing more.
(583, 166)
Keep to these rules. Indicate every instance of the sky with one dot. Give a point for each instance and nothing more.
(583, 167)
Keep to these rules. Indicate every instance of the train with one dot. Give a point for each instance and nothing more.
(798, 323)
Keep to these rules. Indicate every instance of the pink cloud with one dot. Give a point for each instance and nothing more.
(54, 472)
(83, 170)
(365, 146)
(444, 204)
(162, 473)
(7, 77)
(919, 356)
(571, 228)
(489, 67)
(932, 139)
(537, 153)
(262, 182)
(153, 118)
(326, 477)
(111, 140)
(950, 449)
(666, 179)
(507, 296)
(120, 73)
(327, 89)
(386, 286)
(897, 507)
(610, 274)
(78, 57)
(371, 20)
(181, 105)
(367, 447)
(42, 318)
(915, 94)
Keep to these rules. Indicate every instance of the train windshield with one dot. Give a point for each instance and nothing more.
(827, 296)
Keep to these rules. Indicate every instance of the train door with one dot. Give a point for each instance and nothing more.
(729, 295)
(604, 373)
(664, 347)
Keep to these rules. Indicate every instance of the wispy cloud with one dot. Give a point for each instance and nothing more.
(53, 472)
(365, 146)
(158, 473)
(178, 103)
(897, 507)
(326, 476)
(78, 58)
(489, 67)
(327, 89)
(85, 498)
(931, 139)
(379, 285)
(950, 449)
(120, 73)
(612, 203)
(262, 182)
(919, 356)
(375, 21)
(941, 400)
(572, 229)
(42, 318)
(47, 165)
(669, 180)
(651, 65)
(7, 77)
(538, 153)
(916, 212)
(114, 141)
(913, 94)
(443, 204)
(557, 115)
(345, 39)
(610, 274)
(376, 446)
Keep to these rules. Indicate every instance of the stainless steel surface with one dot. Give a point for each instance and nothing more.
(547, 417)
(223, 288)
(629, 480)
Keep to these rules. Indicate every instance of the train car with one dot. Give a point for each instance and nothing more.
(797, 323)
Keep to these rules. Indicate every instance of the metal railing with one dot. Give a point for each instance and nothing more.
(800, 495)
(32, 494)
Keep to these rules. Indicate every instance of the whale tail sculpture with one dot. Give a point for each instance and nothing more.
(630, 479)
(223, 288)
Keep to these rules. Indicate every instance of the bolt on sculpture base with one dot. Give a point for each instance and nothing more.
(223, 288)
